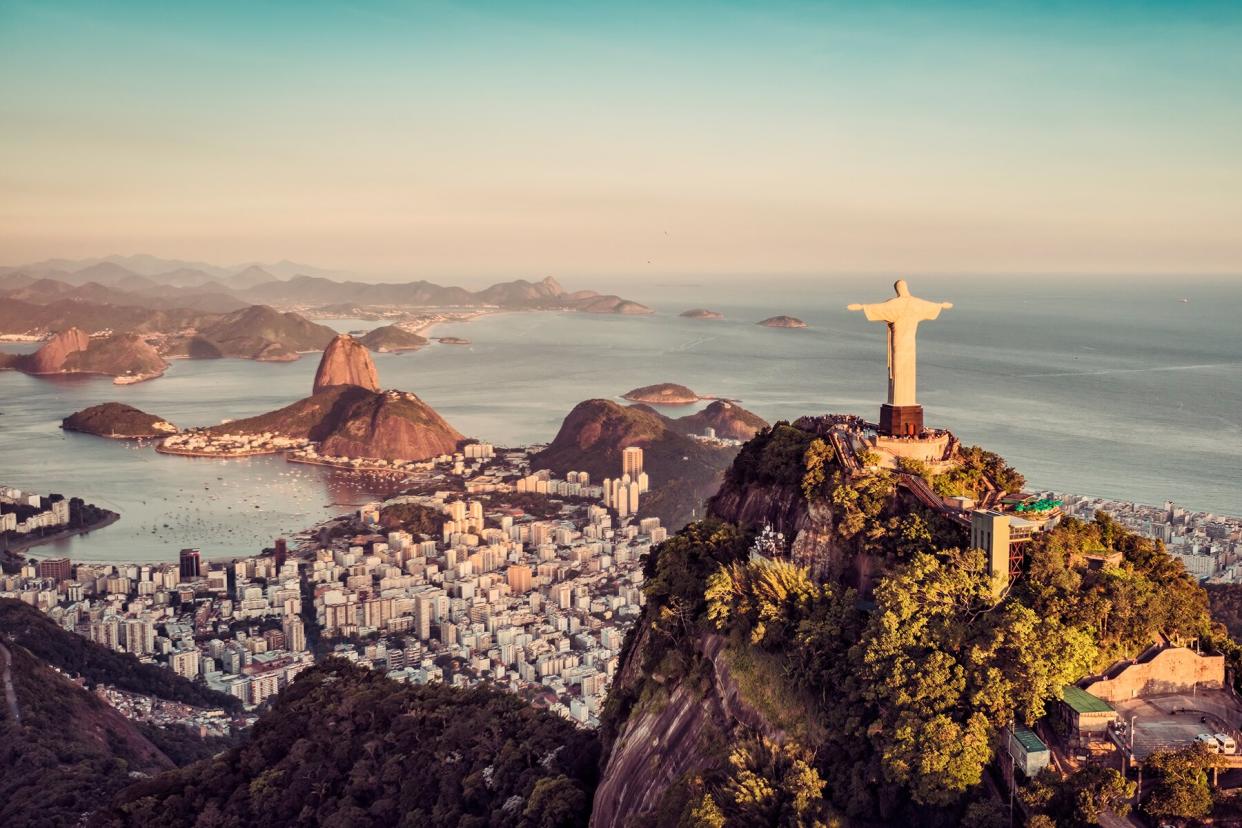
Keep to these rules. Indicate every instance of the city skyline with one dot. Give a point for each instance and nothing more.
(491, 140)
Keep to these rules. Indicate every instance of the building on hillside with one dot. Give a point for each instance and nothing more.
(1028, 751)
(1086, 716)
(631, 461)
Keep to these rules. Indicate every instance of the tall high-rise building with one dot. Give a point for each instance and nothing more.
(295, 633)
(190, 564)
(519, 578)
(282, 552)
(631, 461)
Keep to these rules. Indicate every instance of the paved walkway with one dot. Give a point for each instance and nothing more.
(10, 695)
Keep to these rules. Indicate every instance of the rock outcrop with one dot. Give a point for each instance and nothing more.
(50, 359)
(346, 362)
(122, 355)
(729, 420)
(701, 313)
(683, 472)
(73, 352)
(117, 420)
(392, 425)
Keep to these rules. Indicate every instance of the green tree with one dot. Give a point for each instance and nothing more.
(1179, 783)
(817, 462)
(771, 784)
(555, 802)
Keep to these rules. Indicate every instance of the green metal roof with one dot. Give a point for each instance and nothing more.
(1029, 741)
(1082, 701)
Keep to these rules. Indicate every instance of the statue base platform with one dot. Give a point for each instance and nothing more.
(901, 420)
(930, 447)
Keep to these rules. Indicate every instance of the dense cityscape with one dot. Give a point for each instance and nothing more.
(467, 594)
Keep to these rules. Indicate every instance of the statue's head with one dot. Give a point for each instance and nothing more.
(901, 287)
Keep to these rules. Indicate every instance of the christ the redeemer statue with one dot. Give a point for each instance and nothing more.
(903, 313)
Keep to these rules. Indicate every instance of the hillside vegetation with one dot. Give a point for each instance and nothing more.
(345, 746)
(885, 710)
(26, 627)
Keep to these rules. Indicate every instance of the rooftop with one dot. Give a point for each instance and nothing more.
(1083, 702)
(1027, 738)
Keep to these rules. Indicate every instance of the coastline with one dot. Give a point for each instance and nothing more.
(218, 455)
(23, 546)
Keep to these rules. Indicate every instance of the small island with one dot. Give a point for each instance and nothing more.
(391, 338)
(453, 340)
(782, 322)
(701, 313)
(664, 393)
(117, 421)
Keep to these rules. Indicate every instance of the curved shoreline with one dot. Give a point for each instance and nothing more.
(22, 546)
(219, 455)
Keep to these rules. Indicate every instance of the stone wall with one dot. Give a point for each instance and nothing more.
(1172, 670)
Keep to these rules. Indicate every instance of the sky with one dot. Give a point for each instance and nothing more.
(512, 139)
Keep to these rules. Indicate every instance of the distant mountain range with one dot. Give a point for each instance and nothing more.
(149, 282)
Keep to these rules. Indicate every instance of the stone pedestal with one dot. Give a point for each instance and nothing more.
(901, 420)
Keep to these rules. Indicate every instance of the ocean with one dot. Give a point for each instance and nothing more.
(1114, 387)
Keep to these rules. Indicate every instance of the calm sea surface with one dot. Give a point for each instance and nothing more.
(1117, 389)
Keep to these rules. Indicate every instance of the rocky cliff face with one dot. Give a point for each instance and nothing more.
(116, 356)
(346, 362)
(660, 744)
(393, 425)
(50, 359)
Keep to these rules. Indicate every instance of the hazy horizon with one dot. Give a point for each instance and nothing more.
(500, 140)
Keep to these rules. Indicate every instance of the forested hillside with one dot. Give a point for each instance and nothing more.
(345, 746)
(26, 626)
(813, 705)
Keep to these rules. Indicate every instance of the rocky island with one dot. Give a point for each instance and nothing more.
(118, 421)
(664, 393)
(782, 322)
(452, 340)
(701, 313)
(392, 338)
